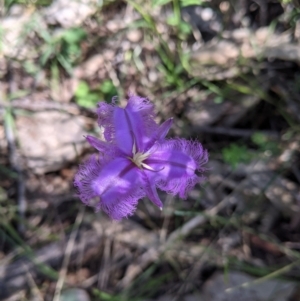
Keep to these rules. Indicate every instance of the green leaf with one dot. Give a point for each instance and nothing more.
(82, 89)
(31, 68)
(74, 35)
(172, 20)
(46, 36)
(46, 55)
(185, 28)
(108, 89)
(107, 86)
(235, 154)
(259, 138)
(218, 99)
(65, 63)
(86, 98)
(105, 296)
(184, 3)
(156, 3)
(265, 143)
(89, 101)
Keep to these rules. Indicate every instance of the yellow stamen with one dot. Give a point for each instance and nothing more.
(138, 158)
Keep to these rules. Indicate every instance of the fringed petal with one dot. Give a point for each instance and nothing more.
(117, 185)
(144, 108)
(135, 160)
(117, 124)
(177, 162)
(86, 173)
(124, 127)
(125, 133)
(105, 114)
(123, 206)
(135, 124)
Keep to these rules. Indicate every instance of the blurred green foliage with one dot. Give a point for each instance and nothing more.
(63, 47)
(183, 3)
(105, 296)
(88, 98)
(265, 143)
(235, 154)
(174, 65)
(183, 27)
(7, 210)
(9, 3)
(84, 96)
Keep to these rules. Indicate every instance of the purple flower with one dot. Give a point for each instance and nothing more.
(135, 159)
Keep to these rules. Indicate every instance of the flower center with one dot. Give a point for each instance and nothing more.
(138, 158)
